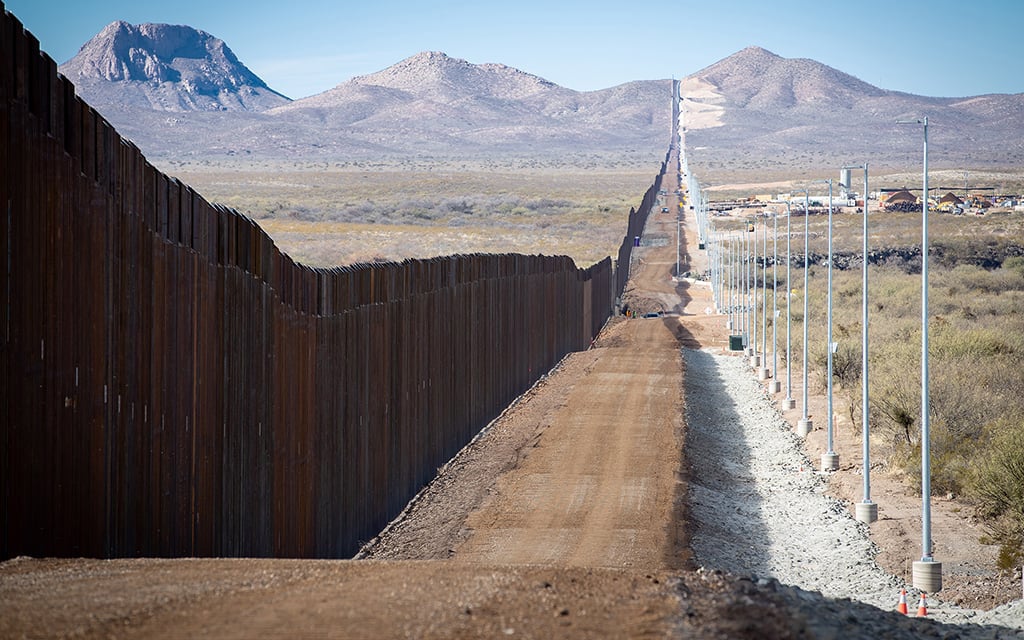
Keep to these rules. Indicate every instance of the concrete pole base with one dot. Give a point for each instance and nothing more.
(804, 427)
(866, 512)
(728, 325)
(774, 387)
(830, 461)
(789, 403)
(755, 360)
(749, 351)
(763, 373)
(928, 576)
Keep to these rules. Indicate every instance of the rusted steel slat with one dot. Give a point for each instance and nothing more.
(185, 217)
(173, 232)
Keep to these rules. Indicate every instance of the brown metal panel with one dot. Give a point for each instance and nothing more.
(87, 155)
(8, 25)
(37, 100)
(20, 345)
(105, 153)
(185, 216)
(26, 49)
(72, 120)
(48, 87)
(173, 233)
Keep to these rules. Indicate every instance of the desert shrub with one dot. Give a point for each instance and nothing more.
(998, 486)
(975, 344)
(966, 279)
(1015, 265)
(895, 395)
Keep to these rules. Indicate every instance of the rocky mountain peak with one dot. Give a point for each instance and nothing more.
(435, 73)
(758, 78)
(172, 67)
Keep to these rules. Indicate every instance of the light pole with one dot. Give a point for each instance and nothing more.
(763, 373)
(926, 572)
(755, 359)
(830, 459)
(790, 401)
(746, 293)
(729, 272)
(734, 285)
(804, 426)
(737, 287)
(865, 510)
(775, 385)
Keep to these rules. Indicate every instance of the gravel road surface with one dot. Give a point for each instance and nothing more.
(759, 508)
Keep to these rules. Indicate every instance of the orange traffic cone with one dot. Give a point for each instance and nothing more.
(902, 606)
(922, 607)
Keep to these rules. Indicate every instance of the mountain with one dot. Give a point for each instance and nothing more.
(429, 104)
(435, 75)
(756, 78)
(753, 112)
(165, 68)
(756, 111)
(433, 101)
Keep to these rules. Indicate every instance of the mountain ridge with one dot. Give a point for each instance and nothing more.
(738, 111)
(166, 68)
(757, 108)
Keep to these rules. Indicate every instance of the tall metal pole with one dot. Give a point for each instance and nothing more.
(927, 574)
(713, 252)
(804, 426)
(752, 243)
(775, 385)
(830, 459)
(737, 288)
(732, 288)
(746, 292)
(763, 373)
(933, 574)
(865, 510)
(734, 250)
(926, 476)
(790, 401)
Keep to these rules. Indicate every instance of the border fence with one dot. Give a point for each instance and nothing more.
(171, 384)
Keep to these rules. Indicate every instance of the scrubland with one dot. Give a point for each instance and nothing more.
(327, 215)
(976, 349)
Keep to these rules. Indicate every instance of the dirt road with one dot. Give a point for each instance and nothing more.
(599, 486)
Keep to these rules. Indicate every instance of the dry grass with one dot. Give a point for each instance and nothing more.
(326, 215)
(976, 335)
(976, 332)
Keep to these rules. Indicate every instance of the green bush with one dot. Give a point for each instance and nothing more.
(998, 485)
(1015, 266)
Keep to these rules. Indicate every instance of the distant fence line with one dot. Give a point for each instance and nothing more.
(173, 385)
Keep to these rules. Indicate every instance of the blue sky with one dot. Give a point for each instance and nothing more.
(304, 47)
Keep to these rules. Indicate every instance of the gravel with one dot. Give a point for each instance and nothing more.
(760, 508)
